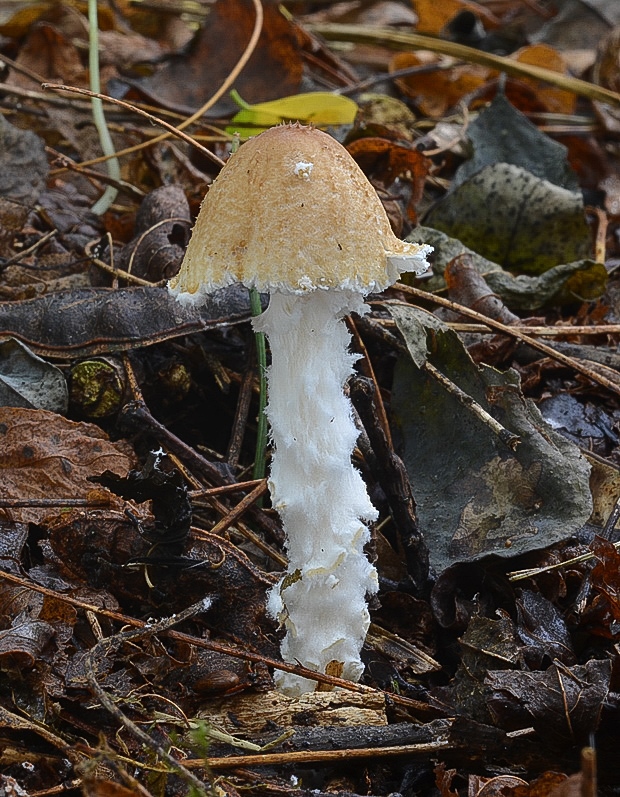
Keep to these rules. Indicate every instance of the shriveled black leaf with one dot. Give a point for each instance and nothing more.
(161, 234)
(102, 320)
(166, 490)
(487, 644)
(543, 630)
(563, 704)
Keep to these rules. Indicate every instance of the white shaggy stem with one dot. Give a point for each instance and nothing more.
(319, 495)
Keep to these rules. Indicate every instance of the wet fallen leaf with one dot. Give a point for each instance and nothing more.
(22, 645)
(103, 320)
(433, 17)
(553, 99)
(434, 92)
(386, 162)
(562, 703)
(584, 424)
(566, 283)
(543, 631)
(603, 614)
(49, 53)
(475, 496)
(535, 224)
(502, 134)
(488, 644)
(467, 286)
(274, 70)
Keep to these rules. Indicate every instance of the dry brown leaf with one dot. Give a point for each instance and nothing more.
(47, 456)
(434, 16)
(435, 92)
(555, 100)
(385, 161)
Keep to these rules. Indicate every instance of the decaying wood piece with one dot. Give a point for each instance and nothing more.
(253, 715)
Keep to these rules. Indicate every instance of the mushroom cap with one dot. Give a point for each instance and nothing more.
(292, 211)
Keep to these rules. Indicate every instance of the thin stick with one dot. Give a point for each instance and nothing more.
(99, 650)
(230, 79)
(231, 517)
(506, 329)
(118, 272)
(237, 653)
(25, 252)
(543, 331)
(366, 364)
(415, 41)
(260, 455)
(174, 131)
(226, 488)
(13, 503)
(316, 756)
(508, 438)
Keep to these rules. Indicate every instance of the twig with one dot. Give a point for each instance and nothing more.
(14, 503)
(543, 331)
(508, 438)
(172, 130)
(366, 365)
(236, 653)
(24, 252)
(531, 572)
(225, 488)
(117, 272)
(401, 40)
(136, 412)
(230, 79)
(260, 455)
(100, 650)
(242, 412)
(318, 756)
(233, 517)
(507, 329)
(95, 177)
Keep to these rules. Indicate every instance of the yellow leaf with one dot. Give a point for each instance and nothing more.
(319, 108)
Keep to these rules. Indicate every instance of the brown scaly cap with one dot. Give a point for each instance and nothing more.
(292, 211)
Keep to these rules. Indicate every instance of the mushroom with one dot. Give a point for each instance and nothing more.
(292, 214)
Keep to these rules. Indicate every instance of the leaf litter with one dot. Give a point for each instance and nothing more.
(135, 550)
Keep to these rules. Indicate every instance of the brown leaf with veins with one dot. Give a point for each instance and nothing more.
(47, 456)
